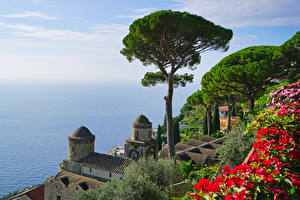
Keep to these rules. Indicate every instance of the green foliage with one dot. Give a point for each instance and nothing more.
(196, 98)
(141, 188)
(206, 172)
(250, 71)
(291, 52)
(191, 132)
(196, 172)
(172, 40)
(172, 37)
(151, 79)
(186, 108)
(236, 146)
(162, 172)
(186, 167)
(146, 179)
(109, 191)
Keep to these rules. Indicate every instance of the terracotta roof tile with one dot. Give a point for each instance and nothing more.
(37, 193)
(106, 162)
(34, 194)
(223, 108)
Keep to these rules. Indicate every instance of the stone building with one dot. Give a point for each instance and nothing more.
(141, 143)
(84, 168)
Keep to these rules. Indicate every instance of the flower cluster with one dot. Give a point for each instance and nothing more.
(270, 172)
(285, 94)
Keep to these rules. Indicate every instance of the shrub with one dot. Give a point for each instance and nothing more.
(206, 172)
(270, 173)
(146, 179)
(236, 146)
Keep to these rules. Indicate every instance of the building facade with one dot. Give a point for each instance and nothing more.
(84, 168)
(141, 144)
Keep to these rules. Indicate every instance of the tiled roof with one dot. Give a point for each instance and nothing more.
(197, 158)
(75, 179)
(193, 142)
(181, 147)
(34, 194)
(37, 193)
(106, 162)
(211, 153)
(223, 108)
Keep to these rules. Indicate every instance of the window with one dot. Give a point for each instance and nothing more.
(109, 174)
(58, 197)
(90, 170)
(136, 135)
(84, 186)
(65, 180)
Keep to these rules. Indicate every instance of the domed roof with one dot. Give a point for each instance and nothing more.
(82, 133)
(141, 119)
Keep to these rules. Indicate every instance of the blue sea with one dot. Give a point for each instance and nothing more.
(36, 119)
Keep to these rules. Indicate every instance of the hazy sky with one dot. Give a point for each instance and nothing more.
(80, 40)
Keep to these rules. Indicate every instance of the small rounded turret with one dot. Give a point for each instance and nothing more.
(81, 143)
(141, 129)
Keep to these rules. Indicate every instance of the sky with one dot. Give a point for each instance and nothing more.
(80, 40)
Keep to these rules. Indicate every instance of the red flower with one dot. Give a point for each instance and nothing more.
(226, 168)
(202, 184)
(214, 187)
(267, 162)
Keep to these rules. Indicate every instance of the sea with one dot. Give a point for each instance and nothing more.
(37, 118)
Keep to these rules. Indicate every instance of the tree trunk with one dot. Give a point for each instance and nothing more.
(251, 104)
(169, 117)
(229, 118)
(209, 128)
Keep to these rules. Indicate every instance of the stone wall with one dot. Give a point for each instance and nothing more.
(91, 172)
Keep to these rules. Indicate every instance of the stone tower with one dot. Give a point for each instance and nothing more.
(81, 143)
(141, 143)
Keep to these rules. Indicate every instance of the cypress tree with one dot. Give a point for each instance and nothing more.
(176, 132)
(216, 119)
(204, 124)
(158, 137)
(234, 110)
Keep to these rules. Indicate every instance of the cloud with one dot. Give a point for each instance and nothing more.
(100, 32)
(110, 28)
(144, 10)
(241, 13)
(26, 14)
(136, 13)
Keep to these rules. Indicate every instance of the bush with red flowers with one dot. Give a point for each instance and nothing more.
(271, 172)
